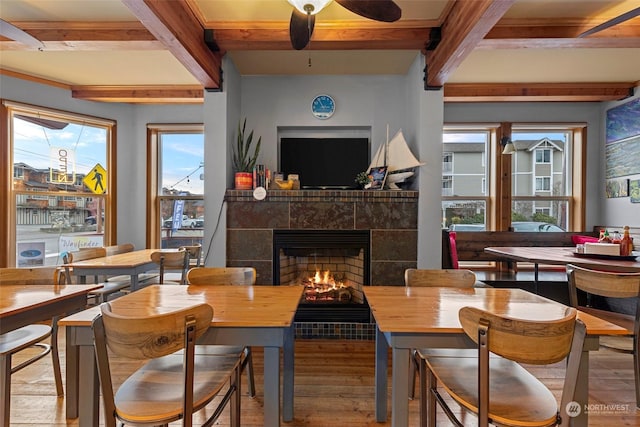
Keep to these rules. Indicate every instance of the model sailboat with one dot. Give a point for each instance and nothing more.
(400, 161)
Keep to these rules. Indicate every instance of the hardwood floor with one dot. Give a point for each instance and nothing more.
(334, 386)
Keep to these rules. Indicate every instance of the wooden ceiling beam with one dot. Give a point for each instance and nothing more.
(324, 38)
(528, 92)
(140, 94)
(175, 25)
(466, 25)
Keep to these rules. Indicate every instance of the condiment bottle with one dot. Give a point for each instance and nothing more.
(625, 244)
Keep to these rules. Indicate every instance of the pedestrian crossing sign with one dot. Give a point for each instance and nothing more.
(96, 180)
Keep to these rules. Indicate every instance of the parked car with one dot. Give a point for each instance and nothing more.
(186, 222)
(466, 227)
(535, 226)
(91, 220)
(200, 222)
(516, 225)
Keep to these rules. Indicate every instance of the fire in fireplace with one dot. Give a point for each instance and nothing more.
(333, 265)
(324, 287)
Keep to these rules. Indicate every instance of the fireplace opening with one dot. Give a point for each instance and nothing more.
(332, 265)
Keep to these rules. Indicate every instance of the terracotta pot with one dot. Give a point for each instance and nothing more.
(244, 181)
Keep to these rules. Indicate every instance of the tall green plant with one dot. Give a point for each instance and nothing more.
(243, 159)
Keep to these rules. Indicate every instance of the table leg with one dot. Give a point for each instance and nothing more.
(134, 282)
(381, 376)
(288, 356)
(72, 353)
(582, 391)
(89, 393)
(400, 387)
(271, 386)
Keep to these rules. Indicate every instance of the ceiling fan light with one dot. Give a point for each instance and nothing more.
(309, 6)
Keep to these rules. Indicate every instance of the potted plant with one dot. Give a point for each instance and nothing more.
(243, 159)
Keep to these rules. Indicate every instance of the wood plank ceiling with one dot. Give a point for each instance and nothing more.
(461, 28)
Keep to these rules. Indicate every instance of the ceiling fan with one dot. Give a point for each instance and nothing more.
(610, 23)
(303, 15)
(12, 32)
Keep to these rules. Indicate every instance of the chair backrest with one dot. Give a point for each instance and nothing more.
(81, 255)
(120, 249)
(221, 276)
(453, 278)
(604, 283)
(524, 341)
(149, 337)
(195, 253)
(172, 260)
(30, 276)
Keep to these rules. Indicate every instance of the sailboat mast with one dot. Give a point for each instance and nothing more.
(386, 147)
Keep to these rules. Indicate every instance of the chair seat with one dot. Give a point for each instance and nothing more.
(154, 393)
(623, 320)
(510, 385)
(24, 337)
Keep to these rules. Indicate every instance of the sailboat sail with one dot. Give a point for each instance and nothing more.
(398, 155)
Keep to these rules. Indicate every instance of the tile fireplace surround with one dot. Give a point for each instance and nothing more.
(390, 216)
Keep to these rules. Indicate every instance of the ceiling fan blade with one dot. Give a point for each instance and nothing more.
(379, 10)
(12, 32)
(300, 29)
(610, 23)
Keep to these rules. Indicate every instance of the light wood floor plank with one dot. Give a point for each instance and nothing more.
(334, 386)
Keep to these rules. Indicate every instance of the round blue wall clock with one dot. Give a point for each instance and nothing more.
(323, 107)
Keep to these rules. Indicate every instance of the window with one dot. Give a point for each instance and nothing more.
(543, 156)
(542, 187)
(177, 216)
(54, 155)
(464, 176)
(447, 186)
(543, 183)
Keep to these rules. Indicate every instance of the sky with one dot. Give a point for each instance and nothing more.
(183, 154)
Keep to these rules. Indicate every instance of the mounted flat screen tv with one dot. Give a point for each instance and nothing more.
(324, 163)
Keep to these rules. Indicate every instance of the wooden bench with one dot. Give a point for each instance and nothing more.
(552, 281)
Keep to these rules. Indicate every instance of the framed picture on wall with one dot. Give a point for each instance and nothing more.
(617, 188)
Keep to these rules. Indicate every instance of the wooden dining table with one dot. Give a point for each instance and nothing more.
(127, 263)
(22, 305)
(538, 255)
(242, 315)
(426, 317)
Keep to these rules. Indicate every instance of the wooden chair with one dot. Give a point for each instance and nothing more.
(496, 387)
(29, 336)
(195, 254)
(109, 287)
(173, 266)
(176, 382)
(455, 278)
(228, 276)
(612, 285)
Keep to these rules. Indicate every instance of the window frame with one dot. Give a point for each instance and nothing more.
(8, 206)
(154, 198)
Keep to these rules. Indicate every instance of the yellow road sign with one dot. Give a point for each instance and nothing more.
(96, 180)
